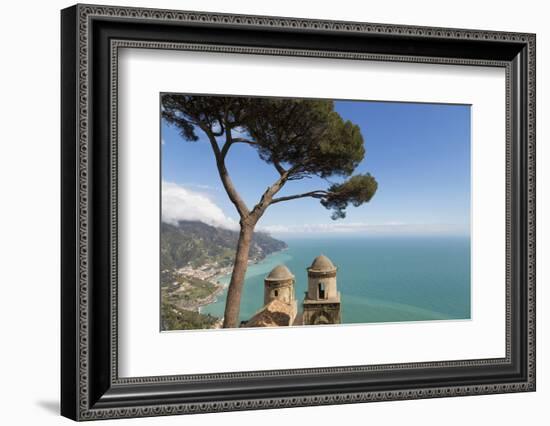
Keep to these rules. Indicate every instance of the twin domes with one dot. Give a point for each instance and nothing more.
(321, 303)
(320, 264)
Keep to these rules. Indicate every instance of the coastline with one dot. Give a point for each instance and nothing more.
(257, 268)
(225, 273)
(373, 290)
(217, 276)
(197, 305)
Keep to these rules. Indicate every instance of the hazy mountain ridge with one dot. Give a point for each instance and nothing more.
(195, 243)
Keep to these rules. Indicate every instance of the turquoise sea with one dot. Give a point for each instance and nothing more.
(381, 279)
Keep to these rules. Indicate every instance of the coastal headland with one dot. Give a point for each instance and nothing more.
(194, 257)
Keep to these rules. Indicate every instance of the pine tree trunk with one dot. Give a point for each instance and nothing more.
(233, 302)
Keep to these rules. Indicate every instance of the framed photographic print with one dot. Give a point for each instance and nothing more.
(263, 212)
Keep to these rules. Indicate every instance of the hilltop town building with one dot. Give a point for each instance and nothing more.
(321, 303)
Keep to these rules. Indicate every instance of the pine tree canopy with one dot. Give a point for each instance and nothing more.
(299, 137)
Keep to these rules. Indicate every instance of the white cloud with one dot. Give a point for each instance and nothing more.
(180, 203)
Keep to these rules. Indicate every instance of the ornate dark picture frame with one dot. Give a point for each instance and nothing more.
(91, 37)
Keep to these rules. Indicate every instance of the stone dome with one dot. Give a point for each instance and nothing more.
(280, 272)
(322, 263)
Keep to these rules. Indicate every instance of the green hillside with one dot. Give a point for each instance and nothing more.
(195, 243)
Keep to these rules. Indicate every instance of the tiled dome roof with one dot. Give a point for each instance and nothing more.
(280, 272)
(322, 263)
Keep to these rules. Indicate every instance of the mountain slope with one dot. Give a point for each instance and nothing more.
(195, 243)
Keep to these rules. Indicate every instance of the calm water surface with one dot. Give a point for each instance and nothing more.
(382, 279)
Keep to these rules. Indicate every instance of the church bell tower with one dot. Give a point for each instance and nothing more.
(322, 300)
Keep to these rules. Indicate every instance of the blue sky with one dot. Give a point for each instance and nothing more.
(418, 153)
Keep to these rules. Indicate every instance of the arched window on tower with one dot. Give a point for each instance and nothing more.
(321, 290)
(276, 293)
